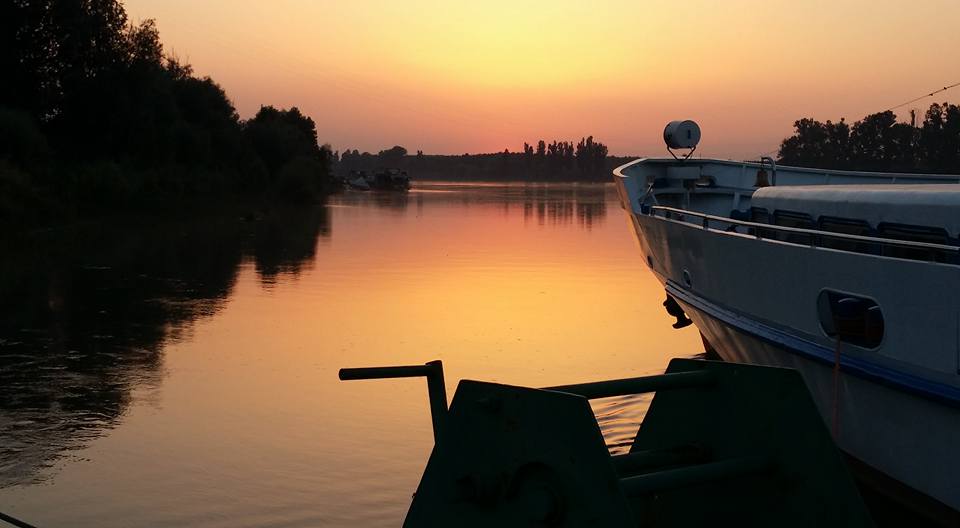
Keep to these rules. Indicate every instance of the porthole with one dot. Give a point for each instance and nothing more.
(686, 279)
(850, 318)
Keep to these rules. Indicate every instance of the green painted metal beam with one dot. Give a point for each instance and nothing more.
(692, 475)
(622, 387)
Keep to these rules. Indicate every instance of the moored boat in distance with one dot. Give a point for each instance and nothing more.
(849, 277)
(385, 180)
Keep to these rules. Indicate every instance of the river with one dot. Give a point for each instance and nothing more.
(183, 372)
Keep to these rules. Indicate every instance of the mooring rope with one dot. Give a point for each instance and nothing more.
(924, 96)
(836, 393)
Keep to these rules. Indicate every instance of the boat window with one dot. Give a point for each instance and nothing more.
(740, 215)
(848, 226)
(858, 227)
(850, 318)
(759, 215)
(794, 219)
(936, 235)
(914, 233)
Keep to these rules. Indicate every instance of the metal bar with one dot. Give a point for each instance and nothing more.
(799, 230)
(622, 387)
(437, 392)
(693, 475)
(436, 388)
(892, 176)
(641, 462)
(363, 373)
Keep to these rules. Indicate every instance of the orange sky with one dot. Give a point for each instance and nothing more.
(454, 77)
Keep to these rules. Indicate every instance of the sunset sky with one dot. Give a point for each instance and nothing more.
(455, 77)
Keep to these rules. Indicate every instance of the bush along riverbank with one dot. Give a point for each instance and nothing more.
(95, 118)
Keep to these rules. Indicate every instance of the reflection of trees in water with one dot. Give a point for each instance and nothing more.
(553, 203)
(390, 200)
(85, 316)
(287, 242)
(558, 205)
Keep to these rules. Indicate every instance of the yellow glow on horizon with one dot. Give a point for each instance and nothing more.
(452, 77)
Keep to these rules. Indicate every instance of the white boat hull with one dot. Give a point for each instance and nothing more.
(876, 424)
(902, 421)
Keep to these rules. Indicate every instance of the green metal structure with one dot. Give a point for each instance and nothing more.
(721, 444)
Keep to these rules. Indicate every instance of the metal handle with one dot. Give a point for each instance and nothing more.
(436, 389)
(623, 387)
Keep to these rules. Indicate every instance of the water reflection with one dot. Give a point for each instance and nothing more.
(184, 373)
(396, 202)
(563, 205)
(85, 315)
(544, 203)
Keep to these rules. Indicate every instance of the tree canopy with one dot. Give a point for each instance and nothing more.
(93, 113)
(587, 160)
(879, 142)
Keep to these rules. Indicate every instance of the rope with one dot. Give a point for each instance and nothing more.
(769, 152)
(931, 94)
(836, 393)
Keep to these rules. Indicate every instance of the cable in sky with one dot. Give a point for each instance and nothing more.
(931, 94)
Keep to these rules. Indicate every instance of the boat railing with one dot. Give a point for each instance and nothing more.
(816, 236)
(827, 174)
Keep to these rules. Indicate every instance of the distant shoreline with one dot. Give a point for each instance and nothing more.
(415, 181)
(507, 179)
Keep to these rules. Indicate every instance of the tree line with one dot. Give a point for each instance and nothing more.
(586, 160)
(879, 142)
(95, 116)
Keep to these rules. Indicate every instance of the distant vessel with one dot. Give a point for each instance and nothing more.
(385, 180)
(853, 278)
(358, 180)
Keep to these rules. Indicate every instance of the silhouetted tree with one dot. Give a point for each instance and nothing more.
(286, 140)
(591, 156)
(392, 157)
(527, 156)
(818, 144)
(279, 136)
(939, 142)
(116, 120)
(52, 49)
(878, 142)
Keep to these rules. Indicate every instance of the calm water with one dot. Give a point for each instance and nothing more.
(185, 373)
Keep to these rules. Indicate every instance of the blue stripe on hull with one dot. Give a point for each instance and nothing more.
(869, 370)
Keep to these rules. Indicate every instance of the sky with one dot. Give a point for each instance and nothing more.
(451, 77)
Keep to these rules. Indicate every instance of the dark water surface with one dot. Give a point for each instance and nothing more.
(184, 373)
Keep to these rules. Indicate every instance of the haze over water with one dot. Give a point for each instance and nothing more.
(185, 373)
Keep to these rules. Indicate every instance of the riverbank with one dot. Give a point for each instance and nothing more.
(563, 163)
(101, 194)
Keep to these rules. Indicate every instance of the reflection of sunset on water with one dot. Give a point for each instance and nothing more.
(246, 405)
